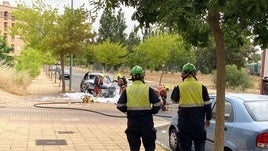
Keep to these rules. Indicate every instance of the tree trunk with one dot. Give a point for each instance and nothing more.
(213, 20)
(62, 72)
(160, 80)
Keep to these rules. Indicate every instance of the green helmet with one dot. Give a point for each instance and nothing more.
(188, 67)
(137, 71)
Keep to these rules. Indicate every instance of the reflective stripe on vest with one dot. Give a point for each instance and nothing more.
(190, 93)
(138, 96)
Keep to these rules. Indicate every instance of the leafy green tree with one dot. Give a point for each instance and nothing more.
(68, 34)
(255, 58)
(161, 50)
(34, 24)
(238, 56)
(110, 54)
(4, 52)
(30, 60)
(105, 30)
(252, 54)
(120, 27)
(112, 27)
(133, 39)
(87, 57)
(195, 20)
(44, 30)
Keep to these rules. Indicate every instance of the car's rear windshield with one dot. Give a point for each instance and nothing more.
(258, 110)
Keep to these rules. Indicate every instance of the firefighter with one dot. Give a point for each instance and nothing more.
(140, 102)
(194, 110)
(98, 82)
(122, 82)
(162, 93)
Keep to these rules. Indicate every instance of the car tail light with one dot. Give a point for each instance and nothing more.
(262, 140)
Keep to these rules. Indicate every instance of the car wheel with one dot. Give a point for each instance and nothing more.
(173, 140)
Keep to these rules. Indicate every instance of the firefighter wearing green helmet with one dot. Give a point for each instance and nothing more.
(194, 111)
(139, 102)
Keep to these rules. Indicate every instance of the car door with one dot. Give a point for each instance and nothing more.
(229, 120)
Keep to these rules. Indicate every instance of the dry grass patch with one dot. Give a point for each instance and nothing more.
(14, 82)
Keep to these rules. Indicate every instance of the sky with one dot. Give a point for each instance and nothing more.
(76, 4)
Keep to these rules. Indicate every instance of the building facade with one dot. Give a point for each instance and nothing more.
(6, 22)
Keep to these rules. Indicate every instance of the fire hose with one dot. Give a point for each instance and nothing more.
(85, 99)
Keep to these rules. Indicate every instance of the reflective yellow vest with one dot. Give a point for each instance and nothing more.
(138, 96)
(190, 93)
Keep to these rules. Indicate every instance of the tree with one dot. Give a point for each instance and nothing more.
(4, 52)
(30, 60)
(87, 57)
(106, 29)
(195, 20)
(120, 27)
(158, 52)
(238, 56)
(110, 54)
(68, 34)
(53, 35)
(236, 78)
(133, 39)
(34, 24)
(112, 27)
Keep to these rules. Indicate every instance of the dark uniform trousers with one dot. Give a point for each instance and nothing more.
(190, 133)
(148, 135)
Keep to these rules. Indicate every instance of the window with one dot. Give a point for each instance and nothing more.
(6, 15)
(228, 114)
(5, 26)
(258, 110)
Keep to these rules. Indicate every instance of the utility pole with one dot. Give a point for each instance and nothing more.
(71, 62)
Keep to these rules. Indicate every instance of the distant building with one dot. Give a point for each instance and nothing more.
(7, 21)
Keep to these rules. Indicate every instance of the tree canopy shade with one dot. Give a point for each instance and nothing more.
(195, 20)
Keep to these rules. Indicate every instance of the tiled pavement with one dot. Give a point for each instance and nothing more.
(70, 127)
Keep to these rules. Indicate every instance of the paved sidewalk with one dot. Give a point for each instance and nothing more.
(60, 127)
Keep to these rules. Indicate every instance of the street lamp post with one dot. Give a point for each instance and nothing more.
(71, 62)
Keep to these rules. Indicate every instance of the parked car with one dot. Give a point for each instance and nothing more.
(108, 89)
(246, 123)
(54, 69)
(66, 74)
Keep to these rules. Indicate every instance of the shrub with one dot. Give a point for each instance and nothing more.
(236, 78)
(29, 61)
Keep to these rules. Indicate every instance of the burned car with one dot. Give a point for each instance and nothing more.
(108, 89)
